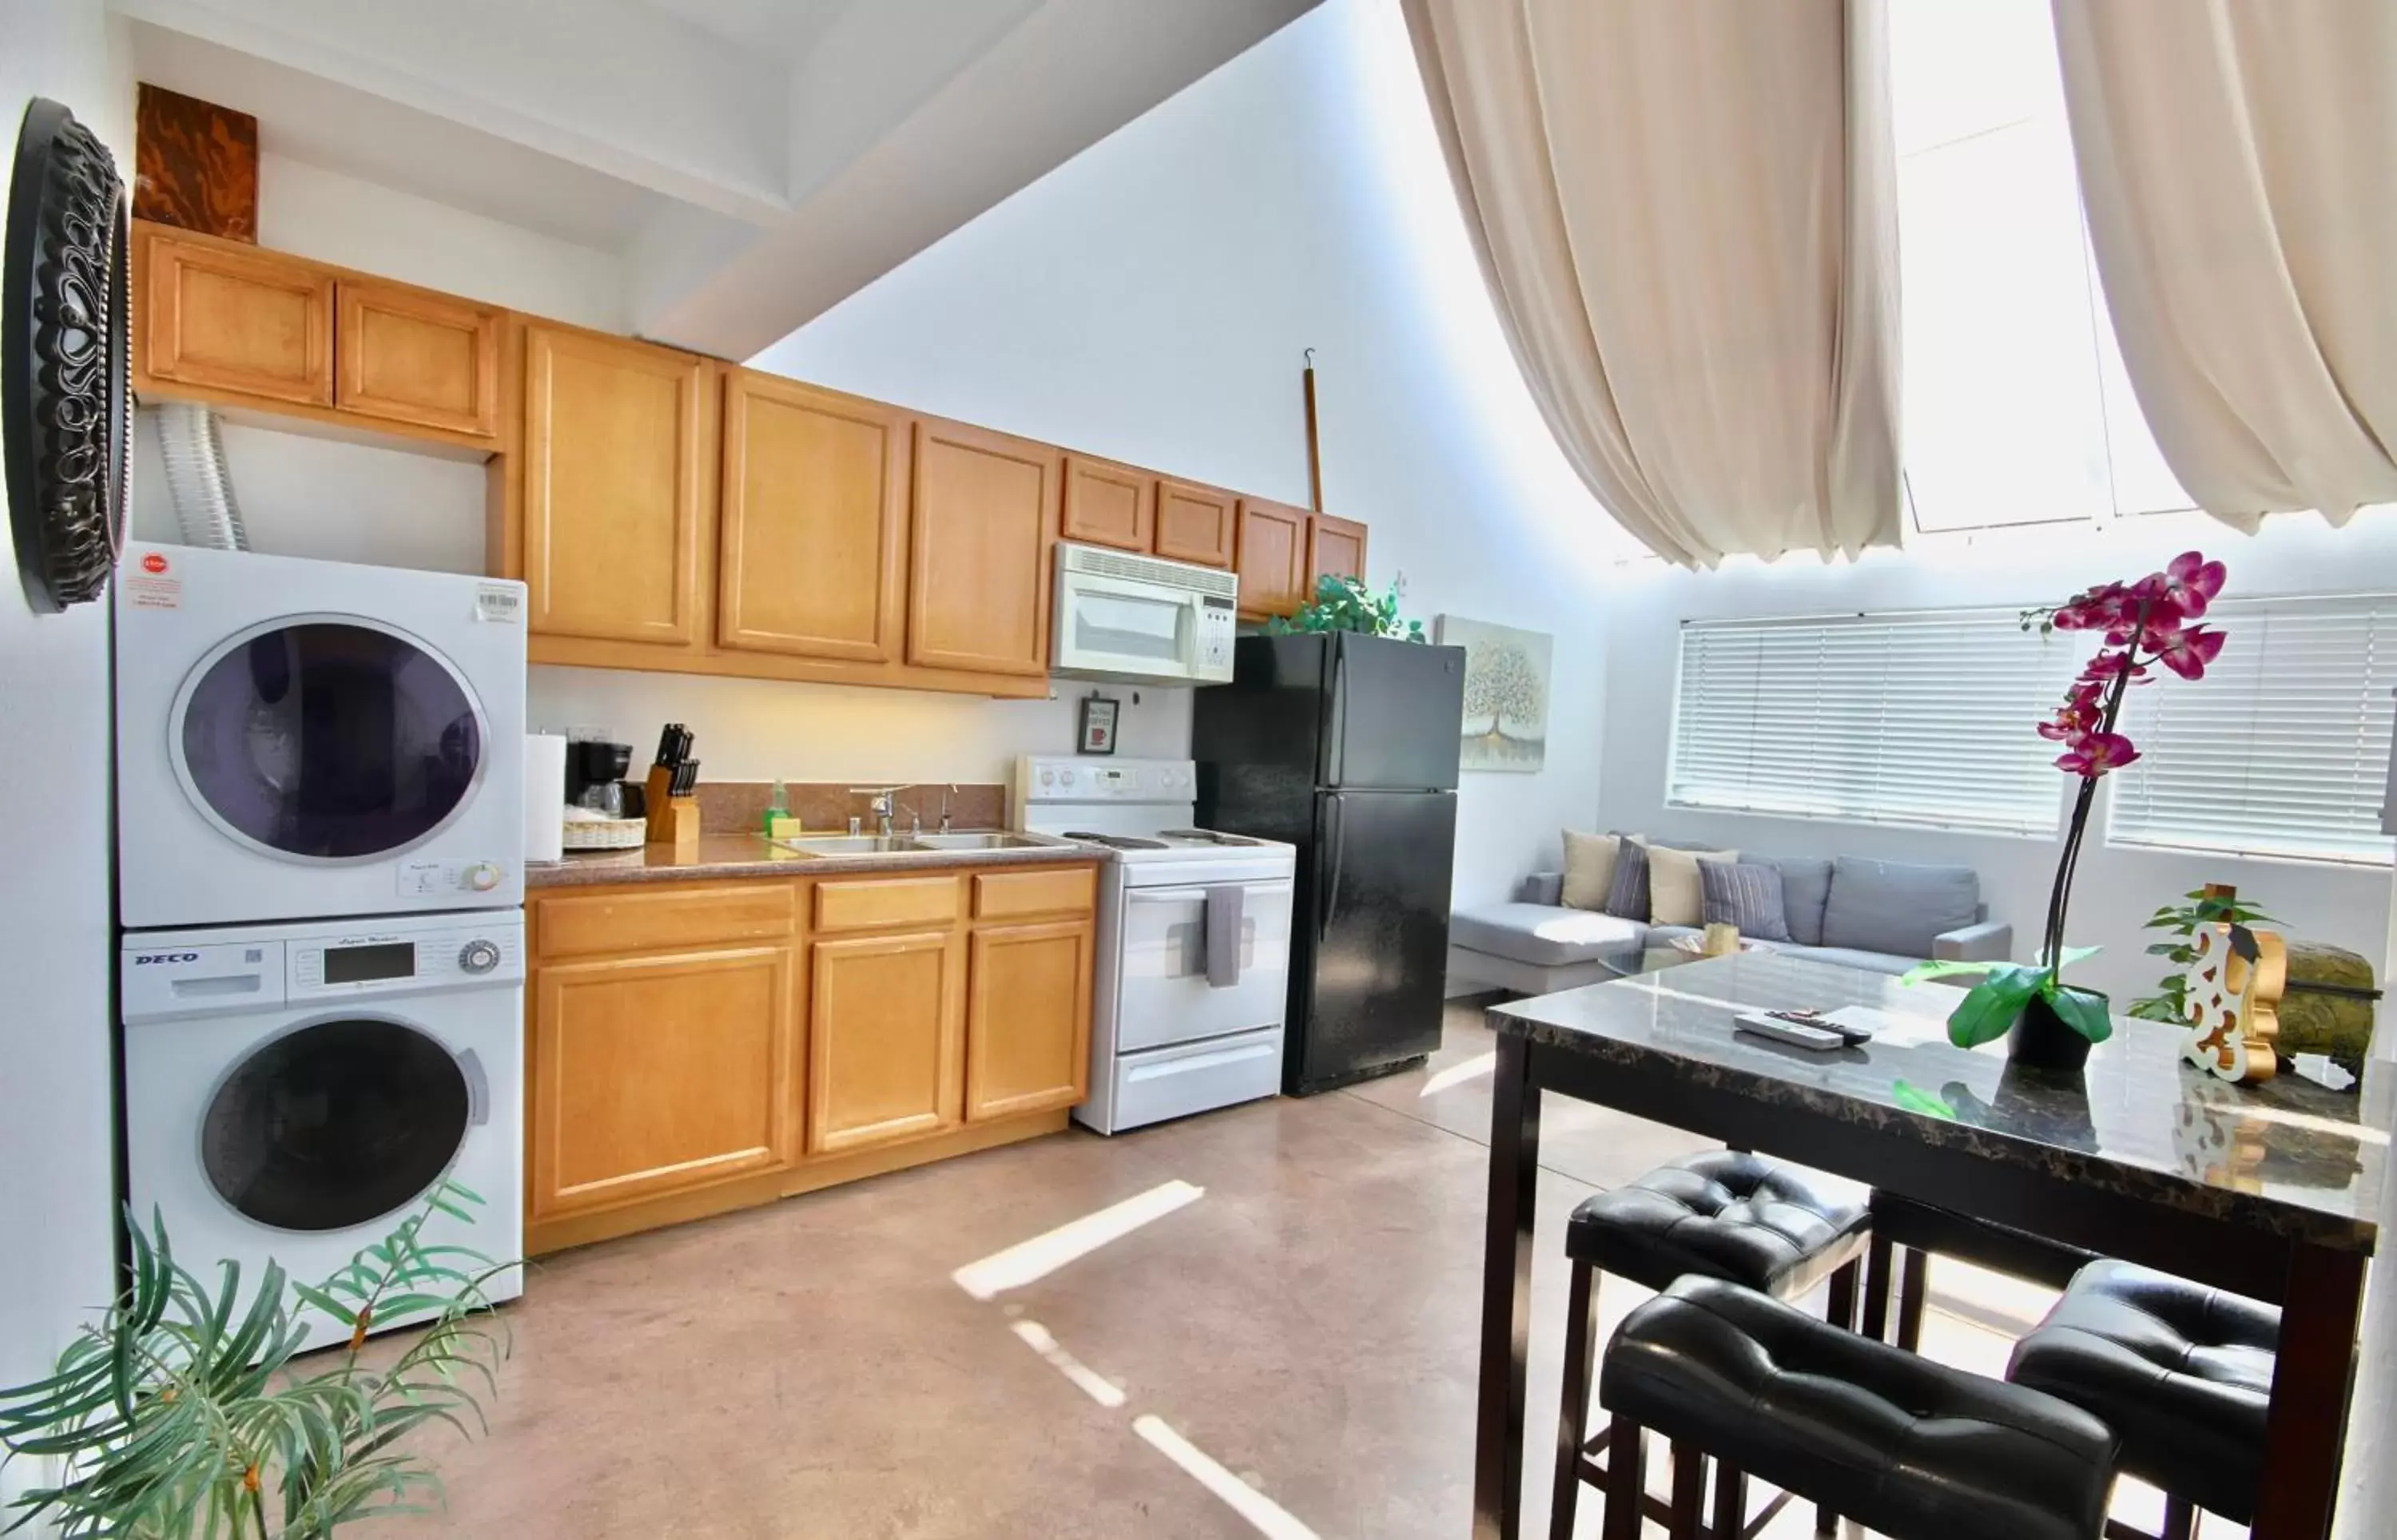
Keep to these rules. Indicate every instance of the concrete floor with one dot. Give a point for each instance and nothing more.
(1288, 1352)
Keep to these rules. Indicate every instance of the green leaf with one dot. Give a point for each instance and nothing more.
(1990, 1006)
(1912, 1098)
(1940, 969)
(2084, 1012)
(2076, 954)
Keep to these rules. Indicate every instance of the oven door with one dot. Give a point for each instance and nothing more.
(1116, 625)
(1168, 994)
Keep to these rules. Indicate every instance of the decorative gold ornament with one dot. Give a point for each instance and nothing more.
(2233, 1002)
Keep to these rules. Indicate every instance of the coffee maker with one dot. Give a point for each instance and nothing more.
(594, 774)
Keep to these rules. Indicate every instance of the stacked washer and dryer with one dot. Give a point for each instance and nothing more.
(320, 833)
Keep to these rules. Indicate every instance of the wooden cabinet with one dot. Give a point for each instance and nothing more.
(1335, 547)
(1195, 523)
(614, 524)
(812, 529)
(1272, 558)
(885, 1039)
(658, 1074)
(229, 319)
(415, 357)
(1028, 1020)
(978, 600)
(1108, 504)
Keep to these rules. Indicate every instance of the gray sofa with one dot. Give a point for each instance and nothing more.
(1886, 916)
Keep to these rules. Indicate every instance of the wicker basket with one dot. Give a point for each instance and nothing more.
(605, 833)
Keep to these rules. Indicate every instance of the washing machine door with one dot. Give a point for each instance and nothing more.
(337, 1123)
(327, 738)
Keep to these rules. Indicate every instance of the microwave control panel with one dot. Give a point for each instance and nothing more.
(1215, 631)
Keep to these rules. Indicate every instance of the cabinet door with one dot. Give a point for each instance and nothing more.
(416, 357)
(885, 1049)
(612, 489)
(1108, 504)
(1027, 1019)
(655, 1074)
(978, 599)
(1335, 547)
(1195, 523)
(811, 539)
(239, 320)
(1272, 558)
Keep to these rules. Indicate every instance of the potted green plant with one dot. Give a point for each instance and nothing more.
(179, 1415)
(2214, 904)
(1346, 604)
(2144, 625)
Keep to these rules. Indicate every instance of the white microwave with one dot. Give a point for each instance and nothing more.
(1141, 620)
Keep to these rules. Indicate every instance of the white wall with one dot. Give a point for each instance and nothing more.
(2116, 888)
(57, 1104)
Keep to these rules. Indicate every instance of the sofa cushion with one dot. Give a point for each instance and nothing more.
(1674, 898)
(1851, 957)
(1744, 894)
(1805, 885)
(1627, 896)
(1542, 935)
(1589, 869)
(1896, 907)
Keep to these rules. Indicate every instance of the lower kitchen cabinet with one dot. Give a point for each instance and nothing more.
(886, 1026)
(652, 1074)
(1028, 1020)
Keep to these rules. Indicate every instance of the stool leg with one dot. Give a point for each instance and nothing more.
(1731, 1502)
(1688, 1489)
(1581, 1346)
(2180, 1518)
(1627, 1476)
(1876, 1290)
(1913, 1286)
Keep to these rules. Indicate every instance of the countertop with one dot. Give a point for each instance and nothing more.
(753, 855)
(2290, 1156)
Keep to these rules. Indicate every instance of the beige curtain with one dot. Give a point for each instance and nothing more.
(1686, 213)
(2239, 165)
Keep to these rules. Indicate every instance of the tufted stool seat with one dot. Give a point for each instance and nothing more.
(1780, 1230)
(1910, 1448)
(2182, 1371)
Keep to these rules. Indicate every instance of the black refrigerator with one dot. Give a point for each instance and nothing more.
(1346, 746)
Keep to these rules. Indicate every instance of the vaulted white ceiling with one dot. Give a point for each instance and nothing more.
(752, 160)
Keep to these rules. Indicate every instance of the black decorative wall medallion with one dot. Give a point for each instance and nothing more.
(65, 384)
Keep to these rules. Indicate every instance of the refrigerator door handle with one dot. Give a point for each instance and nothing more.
(1336, 771)
(1332, 888)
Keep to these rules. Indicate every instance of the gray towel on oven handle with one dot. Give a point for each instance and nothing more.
(1224, 936)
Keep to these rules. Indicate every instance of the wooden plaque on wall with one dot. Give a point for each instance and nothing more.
(195, 165)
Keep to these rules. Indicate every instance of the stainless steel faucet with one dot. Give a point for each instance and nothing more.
(881, 804)
(944, 807)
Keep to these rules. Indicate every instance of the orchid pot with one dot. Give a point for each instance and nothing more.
(2144, 625)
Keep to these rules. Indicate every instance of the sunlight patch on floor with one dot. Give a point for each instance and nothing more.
(1028, 1261)
(1266, 1516)
(1086, 1379)
(1457, 1074)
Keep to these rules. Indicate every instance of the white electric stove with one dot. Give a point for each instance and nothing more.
(1193, 938)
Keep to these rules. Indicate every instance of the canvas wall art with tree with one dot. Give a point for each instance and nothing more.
(1506, 725)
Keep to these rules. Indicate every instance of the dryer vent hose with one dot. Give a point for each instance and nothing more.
(196, 479)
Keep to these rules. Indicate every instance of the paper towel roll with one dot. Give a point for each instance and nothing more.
(544, 798)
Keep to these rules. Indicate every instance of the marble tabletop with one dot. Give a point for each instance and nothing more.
(2291, 1157)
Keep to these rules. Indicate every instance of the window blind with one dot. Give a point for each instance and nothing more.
(1923, 719)
(2282, 748)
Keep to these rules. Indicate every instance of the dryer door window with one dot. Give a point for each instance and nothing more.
(327, 739)
(336, 1124)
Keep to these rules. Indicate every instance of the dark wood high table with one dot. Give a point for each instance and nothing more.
(2272, 1192)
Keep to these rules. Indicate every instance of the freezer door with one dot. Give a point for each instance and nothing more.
(1392, 715)
(1380, 935)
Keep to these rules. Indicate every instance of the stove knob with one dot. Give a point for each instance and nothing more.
(1047, 777)
(479, 957)
(1066, 775)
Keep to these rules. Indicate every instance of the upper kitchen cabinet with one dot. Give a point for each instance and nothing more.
(813, 536)
(615, 525)
(978, 600)
(1335, 547)
(1195, 523)
(1273, 558)
(416, 358)
(225, 318)
(1108, 504)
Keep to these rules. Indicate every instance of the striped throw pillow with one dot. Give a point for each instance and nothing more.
(1744, 894)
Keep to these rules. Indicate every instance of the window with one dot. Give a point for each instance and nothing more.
(1922, 718)
(2282, 748)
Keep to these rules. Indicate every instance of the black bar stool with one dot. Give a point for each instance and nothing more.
(1776, 1228)
(1914, 1231)
(2182, 1371)
(1911, 1448)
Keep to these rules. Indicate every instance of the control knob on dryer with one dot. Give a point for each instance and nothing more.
(479, 957)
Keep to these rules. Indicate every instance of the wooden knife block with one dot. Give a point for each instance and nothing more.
(672, 821)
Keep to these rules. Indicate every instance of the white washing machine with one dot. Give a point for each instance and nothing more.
(293, 1092)
(301, 739)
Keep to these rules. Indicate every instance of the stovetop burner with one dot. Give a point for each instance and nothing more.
(1206, 836)
(1115, 841)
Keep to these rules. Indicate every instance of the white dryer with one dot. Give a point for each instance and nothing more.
(293, 1092)
(303, 739)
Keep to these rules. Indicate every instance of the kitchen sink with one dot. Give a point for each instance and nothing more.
(978, 841)
(852, 844)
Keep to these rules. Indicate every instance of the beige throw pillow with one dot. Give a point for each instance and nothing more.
(1674, 895)
(1589, 869)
